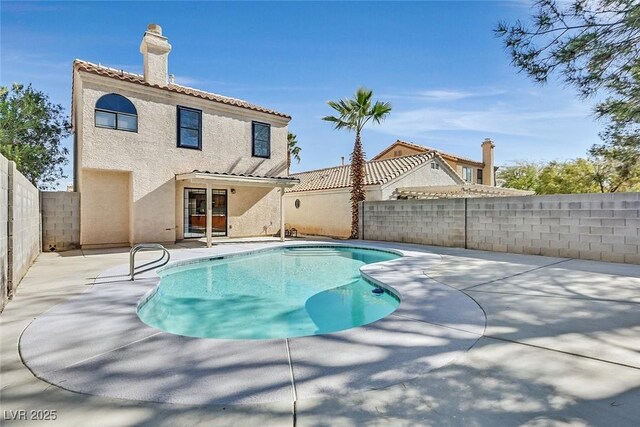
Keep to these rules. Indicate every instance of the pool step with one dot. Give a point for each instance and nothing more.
(312, 252)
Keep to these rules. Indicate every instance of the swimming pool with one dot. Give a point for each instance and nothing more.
(288, 292)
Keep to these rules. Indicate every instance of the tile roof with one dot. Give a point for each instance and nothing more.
(376, 172)
(429, 149)
(113, 73)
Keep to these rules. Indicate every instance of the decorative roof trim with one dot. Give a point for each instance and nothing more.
(113, 73)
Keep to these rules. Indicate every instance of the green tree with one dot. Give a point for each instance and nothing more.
(616, 168)
(595, 46)
(570, 177)
(595, 174)
(353, 115)
(31, 130)
(522, 175)
(293, 149)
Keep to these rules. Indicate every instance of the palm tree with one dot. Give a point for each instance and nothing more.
(353, 115)
(294, 150)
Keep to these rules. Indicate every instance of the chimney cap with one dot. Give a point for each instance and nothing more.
(488, 141)
(154, 28)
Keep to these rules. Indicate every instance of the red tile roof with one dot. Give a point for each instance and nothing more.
(376, 172)
(454, 157)
(139, 79)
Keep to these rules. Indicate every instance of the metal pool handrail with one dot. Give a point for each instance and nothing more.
(133, 270)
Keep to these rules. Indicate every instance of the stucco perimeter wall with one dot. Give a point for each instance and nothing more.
(604, 227)
(4, 235)
(60, 220)
(23, 226)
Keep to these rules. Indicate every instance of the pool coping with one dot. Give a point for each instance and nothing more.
(305, 374)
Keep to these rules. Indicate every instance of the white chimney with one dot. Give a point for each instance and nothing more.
(155, 51)
(342, 160)
(488, 170)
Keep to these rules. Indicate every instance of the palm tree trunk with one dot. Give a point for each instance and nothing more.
(357, 182)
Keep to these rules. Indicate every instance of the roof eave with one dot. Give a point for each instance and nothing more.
(82, 67)
(253, 181)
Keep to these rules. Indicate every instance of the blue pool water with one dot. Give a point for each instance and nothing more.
(288, 292)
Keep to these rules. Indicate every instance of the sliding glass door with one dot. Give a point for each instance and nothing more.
(195, 212)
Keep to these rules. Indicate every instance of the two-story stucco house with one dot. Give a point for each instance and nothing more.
(158, 162)
(471, 171)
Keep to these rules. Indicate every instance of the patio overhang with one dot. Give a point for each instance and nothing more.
(209, 179)
(457, 191)
(198, 177)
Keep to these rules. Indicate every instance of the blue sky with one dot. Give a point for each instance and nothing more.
(438, 63)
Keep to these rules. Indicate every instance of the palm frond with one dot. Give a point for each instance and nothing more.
(380, 111)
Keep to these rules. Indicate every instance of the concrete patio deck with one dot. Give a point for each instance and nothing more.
(561, 346)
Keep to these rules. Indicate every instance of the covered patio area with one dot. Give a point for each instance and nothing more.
(213, 203)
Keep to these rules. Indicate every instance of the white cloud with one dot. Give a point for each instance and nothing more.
(444, 95)
(188, 81)
(421, 122)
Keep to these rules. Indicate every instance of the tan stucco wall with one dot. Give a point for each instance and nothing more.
(419, 177)
(406, 151)
(324, 213)
(105, 207)
(474, 170)
(154, 159)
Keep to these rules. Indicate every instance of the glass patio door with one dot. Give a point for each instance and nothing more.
(195, 212)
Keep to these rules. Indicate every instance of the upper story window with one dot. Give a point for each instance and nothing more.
(479, 176)
(261, 140)
(467, 174)
(114, 111)
(189, 128)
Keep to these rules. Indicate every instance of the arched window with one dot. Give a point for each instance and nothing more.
(114, 111)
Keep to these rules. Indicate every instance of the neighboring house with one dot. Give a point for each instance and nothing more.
(320, 203)
(471, 171)
(160, 162)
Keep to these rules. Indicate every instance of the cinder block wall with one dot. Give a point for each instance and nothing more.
(4, 236)
(438, 222)
(24, 226)
(60, 220)
(603, 227)
(600, 227)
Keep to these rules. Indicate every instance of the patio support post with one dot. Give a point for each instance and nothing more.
(209, 213)
(282, 214)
